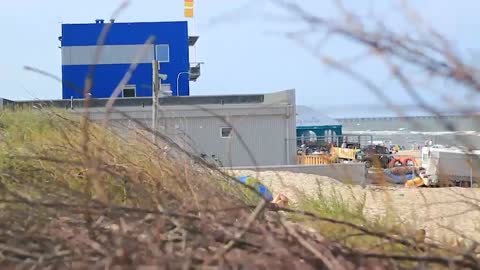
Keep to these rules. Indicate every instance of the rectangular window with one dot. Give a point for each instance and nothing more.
(226, 132)
(162, 53)
(129, 91)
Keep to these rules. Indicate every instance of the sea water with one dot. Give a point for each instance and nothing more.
(413, 132)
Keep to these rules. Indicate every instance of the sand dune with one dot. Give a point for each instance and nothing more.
(441, 211)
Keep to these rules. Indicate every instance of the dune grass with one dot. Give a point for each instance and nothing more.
(76, 193)
(342, 205)
(44, 155)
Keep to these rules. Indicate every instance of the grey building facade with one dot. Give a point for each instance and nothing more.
(238, 130)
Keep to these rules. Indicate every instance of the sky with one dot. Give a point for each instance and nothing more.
(243, 46)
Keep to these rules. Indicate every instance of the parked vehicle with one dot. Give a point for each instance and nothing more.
(353, 145)
(375, 156)
(450, 166)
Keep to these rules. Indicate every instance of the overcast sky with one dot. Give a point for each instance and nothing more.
(241, 42)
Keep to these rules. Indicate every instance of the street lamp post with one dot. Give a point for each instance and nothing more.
(156, 89)
(178, 78)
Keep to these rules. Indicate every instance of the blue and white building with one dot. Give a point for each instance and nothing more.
(123, 45)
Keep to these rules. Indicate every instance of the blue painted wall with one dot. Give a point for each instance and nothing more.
(320, 132)
(106, 77)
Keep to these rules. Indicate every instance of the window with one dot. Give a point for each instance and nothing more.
(129, 91)
(162, 53)
(226, 132)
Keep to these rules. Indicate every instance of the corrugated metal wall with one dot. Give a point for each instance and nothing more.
(263, 134)
(256, 140)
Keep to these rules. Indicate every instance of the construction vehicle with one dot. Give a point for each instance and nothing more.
(343, 154)
(373, 156)
(450, 166)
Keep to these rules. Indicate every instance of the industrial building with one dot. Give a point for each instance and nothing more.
(316, 127)
(238, 130)
(124, 44)
(234, 130)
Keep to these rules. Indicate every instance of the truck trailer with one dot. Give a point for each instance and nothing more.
(450, 166)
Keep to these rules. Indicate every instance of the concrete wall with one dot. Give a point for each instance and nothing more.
(353, 173)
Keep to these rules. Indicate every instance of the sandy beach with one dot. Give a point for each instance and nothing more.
(440, 211)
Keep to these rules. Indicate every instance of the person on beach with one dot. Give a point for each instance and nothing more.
(396, 148)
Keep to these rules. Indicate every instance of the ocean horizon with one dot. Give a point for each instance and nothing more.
(411, 131)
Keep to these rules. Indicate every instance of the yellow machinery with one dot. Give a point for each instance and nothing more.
(336, 153)
(415, 182)
(344, 153)
(314, 159)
